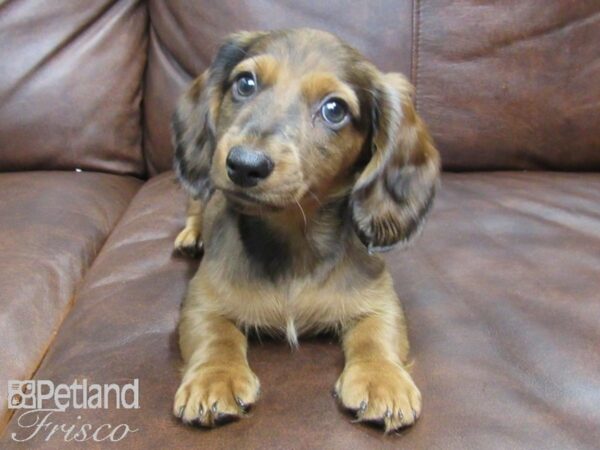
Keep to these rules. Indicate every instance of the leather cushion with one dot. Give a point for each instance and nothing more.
(52, 225)
(70, 85)
(501, 294)
(511, 85)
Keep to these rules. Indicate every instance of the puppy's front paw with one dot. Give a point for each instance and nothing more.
(212, 395)
(189, 242)
(379, 391)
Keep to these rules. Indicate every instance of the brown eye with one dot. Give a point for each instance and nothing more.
(334, 111)
(244, 86)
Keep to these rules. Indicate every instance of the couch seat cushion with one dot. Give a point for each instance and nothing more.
(52, 225)
(502, 297)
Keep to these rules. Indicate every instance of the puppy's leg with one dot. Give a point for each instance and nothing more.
(189, 240)
(218, 384)
(375, 382)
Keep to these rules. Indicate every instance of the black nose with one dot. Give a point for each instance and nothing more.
(247, 167)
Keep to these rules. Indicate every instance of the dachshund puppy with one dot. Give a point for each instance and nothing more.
(301, 160)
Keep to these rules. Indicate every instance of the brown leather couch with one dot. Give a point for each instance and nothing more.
(502, 291)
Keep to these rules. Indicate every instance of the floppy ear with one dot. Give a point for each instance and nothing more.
(194, 121)
(193, 131)
(394, 193)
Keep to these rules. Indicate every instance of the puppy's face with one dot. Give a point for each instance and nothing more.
(288, 123)
(284, 116)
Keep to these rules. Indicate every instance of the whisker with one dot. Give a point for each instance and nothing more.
(313, 195)
(303, 215)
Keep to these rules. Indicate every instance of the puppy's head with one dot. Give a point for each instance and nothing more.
(285, 116)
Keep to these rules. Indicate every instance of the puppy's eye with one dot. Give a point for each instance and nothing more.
(244, 86)
(334, 111)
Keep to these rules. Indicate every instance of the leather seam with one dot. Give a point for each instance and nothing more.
(143, 86)
(416, 42)
(161, 47)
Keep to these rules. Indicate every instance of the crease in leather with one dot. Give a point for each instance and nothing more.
(67, 309)
(168, 14)
(481, 313)
(140, 92)
(490, 50)
(152, 156)
(541, 217)
(520, 379)
(168, 55)
(61, 46)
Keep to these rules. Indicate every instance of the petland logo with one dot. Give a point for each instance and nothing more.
(44, 400)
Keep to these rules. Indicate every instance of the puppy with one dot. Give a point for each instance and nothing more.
(301, 160)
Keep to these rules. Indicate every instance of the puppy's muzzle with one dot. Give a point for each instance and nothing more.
(247, 167)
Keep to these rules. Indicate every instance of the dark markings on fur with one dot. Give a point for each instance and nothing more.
(369, 120)
(329, 245)
(229, 55)
(216, 240)
(268, 252)
(256, 128)
(386, 230)
(362, 234)
(401, 185)
(177, 128)
(416, 221)
(323, 150)
(192, 160)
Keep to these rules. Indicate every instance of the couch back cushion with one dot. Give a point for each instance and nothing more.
(512, 84)
(70, 84)
(502, 85)
(185, 36)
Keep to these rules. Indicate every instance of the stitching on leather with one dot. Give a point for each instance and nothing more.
(162, 49)
(142, 104)
(416, 42)
(168, 54)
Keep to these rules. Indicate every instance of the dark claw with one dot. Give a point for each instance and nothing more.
(198, 250)
(334, 394)
(224, 418)
(414, 415)
(197, 423)
(243, 406)
(388, 413)
(214, 408)
(400, 414)
(362, 408)
(193, 251)
(180, 412)
(200, 410)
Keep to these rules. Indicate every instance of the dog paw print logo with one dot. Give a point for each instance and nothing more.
(21, 394)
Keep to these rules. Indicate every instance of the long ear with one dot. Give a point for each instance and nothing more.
(194, 120)
(193, 131)
(395, 191)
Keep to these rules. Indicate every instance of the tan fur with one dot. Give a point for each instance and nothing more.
(316, 204)
(189, 241)
(318, 85)
(266, 67)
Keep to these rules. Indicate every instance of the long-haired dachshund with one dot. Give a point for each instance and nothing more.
(301, 160)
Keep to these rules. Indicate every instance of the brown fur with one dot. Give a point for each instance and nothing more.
(293, 254)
